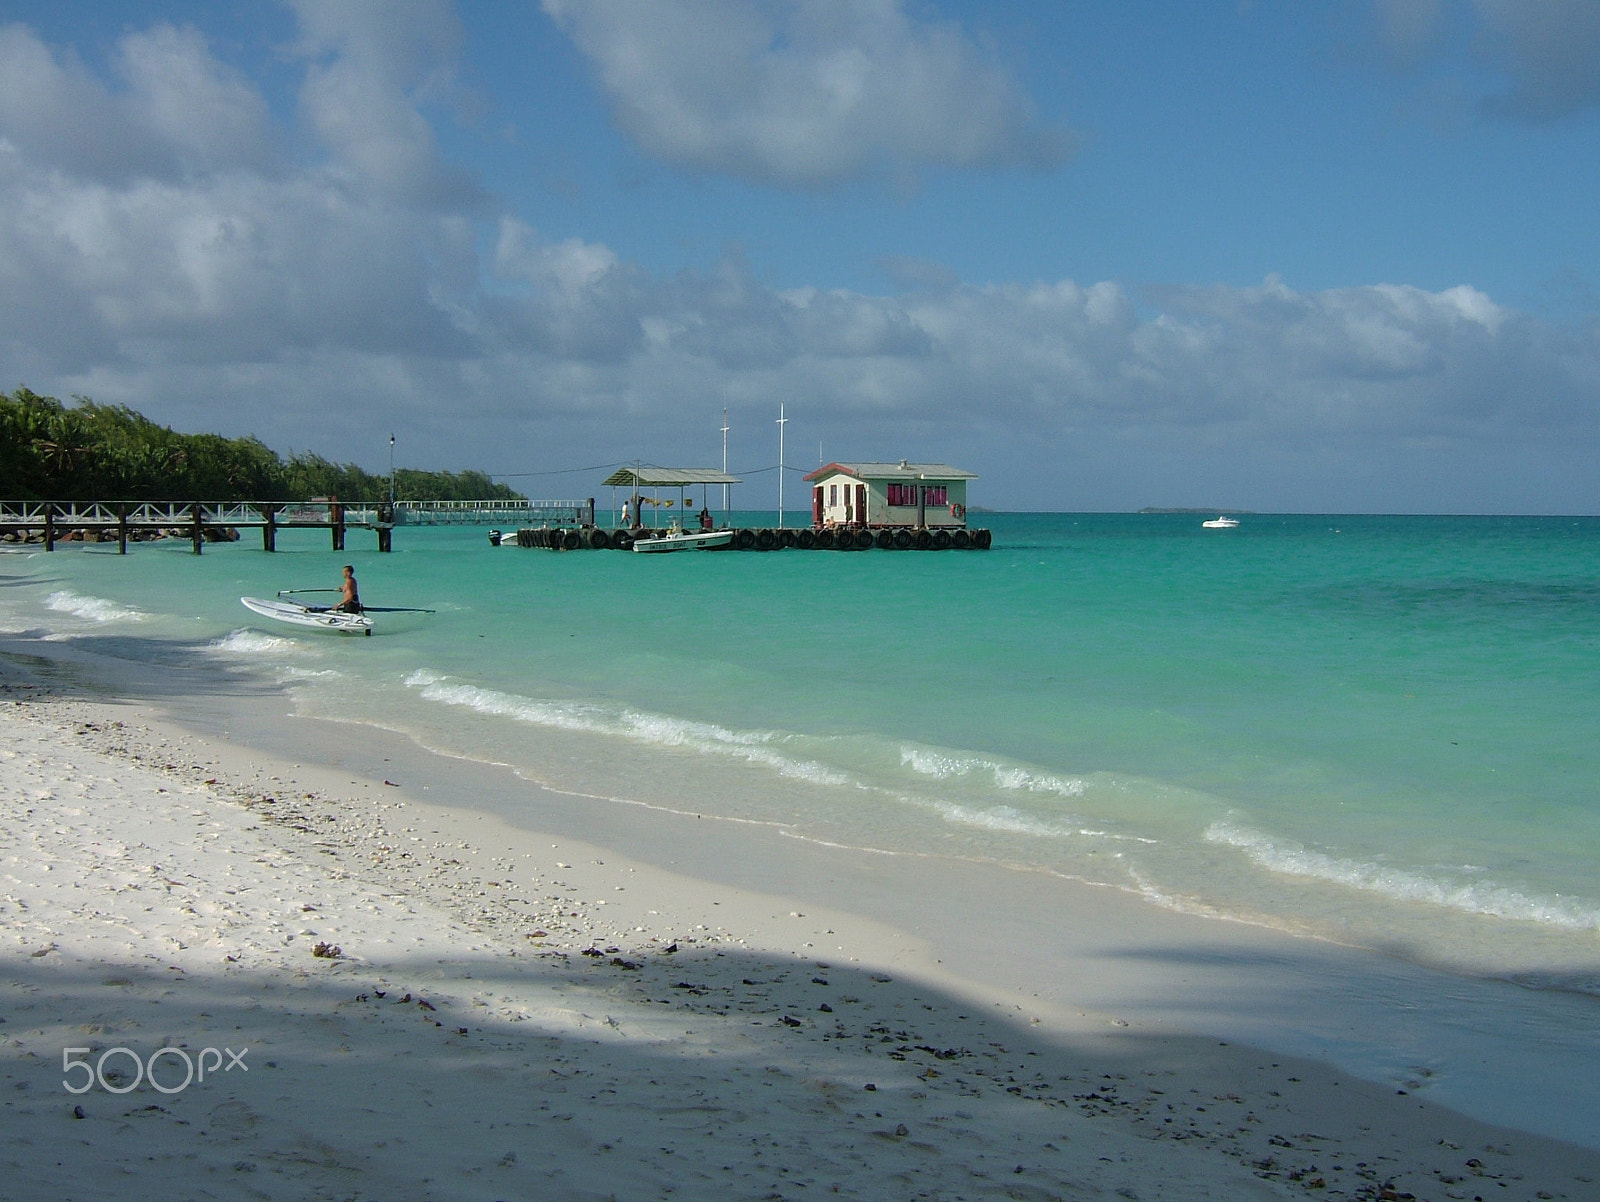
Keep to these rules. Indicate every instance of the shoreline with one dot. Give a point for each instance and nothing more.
(1089, 958)
(962, 1033)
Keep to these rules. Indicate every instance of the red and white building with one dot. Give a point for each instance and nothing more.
(914, 495)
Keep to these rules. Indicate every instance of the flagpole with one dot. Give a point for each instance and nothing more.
(782, 422)
(724, 459)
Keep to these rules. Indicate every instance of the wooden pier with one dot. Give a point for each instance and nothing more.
(212, 521)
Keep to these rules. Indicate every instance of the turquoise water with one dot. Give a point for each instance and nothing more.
(1379, 730)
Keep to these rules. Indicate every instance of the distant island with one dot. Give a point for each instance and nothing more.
(1208, 509)
(86, 451)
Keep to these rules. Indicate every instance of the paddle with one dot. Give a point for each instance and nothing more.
(366, 609)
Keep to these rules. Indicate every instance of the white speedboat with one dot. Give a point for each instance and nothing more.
(1221, 523)
(675, 539)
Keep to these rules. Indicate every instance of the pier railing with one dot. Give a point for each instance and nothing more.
(209, 521)
(493, 513)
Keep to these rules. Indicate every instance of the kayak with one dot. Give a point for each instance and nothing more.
(319, 617)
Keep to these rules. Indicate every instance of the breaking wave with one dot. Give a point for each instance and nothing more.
(657, 730)
(250, 642)
(1001, 818)
(94, 609)
(943, 766)
(1483, 897)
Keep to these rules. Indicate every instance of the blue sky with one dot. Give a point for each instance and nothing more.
(1319, 255)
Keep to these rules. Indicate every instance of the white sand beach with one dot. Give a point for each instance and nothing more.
(411, 999)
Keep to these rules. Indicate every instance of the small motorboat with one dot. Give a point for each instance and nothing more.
(674, 538)
(1221, 522)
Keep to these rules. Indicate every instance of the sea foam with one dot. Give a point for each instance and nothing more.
(943, 766)
(1479, 897)
(1003, 819)
(95, 609)
(660, 730)
(250, 642)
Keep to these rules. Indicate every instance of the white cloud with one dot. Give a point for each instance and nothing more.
(804, 92)
(568, 266)
(179, 108)
(369, 69)
(156, 222)
(215, 287)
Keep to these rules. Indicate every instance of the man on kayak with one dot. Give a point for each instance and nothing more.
(349, 598)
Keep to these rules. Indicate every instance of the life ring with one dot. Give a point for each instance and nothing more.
(958, 511)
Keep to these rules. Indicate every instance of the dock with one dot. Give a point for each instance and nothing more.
(887, 538)
(201, 522)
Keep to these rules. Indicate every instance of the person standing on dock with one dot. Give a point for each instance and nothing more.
(349, 597)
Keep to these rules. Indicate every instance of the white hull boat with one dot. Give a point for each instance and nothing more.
(682, 540)
(1221, 523)
(318, 617)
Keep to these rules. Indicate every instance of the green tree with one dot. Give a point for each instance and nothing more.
(93, 452)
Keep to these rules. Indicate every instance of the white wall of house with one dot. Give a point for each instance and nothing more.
(936, 502)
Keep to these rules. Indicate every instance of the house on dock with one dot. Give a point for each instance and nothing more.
(913, 495)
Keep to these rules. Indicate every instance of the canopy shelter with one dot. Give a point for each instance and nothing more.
(640, 476)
